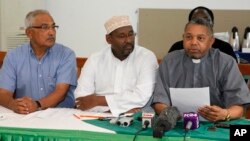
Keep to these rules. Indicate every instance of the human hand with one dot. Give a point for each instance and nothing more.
(24, 105)
(134, 110)
(213, 113)
(32, 106)
(86, 102)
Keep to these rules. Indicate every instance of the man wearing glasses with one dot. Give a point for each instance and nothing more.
(41, 73)
(199, 65)
(120, 77)
(204, 12)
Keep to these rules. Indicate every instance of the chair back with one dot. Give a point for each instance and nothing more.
(80, 62)
(2, 55)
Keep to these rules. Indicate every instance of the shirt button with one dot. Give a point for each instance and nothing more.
(41, 89)
(40, 75)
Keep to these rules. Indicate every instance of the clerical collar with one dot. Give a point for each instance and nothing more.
(196, 61)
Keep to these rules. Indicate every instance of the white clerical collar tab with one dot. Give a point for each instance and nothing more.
(196, 61)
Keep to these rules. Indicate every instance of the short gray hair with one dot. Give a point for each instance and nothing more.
(31, 15)
(201, 21)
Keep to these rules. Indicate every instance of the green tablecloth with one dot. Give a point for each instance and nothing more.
(123, 134)
(26, 134)
(201, 133)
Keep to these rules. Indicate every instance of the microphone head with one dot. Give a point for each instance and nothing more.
(166, 121)
(147, 117)
(191, 120)
(168, 118)
(158, 132)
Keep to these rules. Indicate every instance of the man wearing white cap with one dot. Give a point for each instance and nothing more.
(122, 76)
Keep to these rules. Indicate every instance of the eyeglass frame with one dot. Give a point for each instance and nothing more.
(45, 27)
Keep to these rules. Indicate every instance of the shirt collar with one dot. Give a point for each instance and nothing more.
(49, 50)
(196, 61)
(129, 56)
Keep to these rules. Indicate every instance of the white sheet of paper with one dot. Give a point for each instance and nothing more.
(189, 99)
(99, 109)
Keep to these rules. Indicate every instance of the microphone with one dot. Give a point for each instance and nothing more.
(147, 122)
(166, 121)
(147, 119)
(191, 121)
(125, 121)
(188, 125)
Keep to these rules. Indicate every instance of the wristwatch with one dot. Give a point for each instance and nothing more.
(39, 106)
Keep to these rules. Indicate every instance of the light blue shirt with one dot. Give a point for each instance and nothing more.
(24, 75)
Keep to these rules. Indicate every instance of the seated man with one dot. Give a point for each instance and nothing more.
(121, 76)
(203, 12)
(40, 74)
(198, 65)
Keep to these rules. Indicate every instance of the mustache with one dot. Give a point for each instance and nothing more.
(193, 47)
(128, 44)
(51, 37)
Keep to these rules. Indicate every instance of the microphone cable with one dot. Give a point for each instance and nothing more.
(185, 135)
(187, 128)
(144, 127)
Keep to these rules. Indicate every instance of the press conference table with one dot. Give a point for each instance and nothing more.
(59, 124)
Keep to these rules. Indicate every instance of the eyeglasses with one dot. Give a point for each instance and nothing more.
(46, 27)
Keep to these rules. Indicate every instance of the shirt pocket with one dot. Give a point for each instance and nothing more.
(216, 96)
(51, 83)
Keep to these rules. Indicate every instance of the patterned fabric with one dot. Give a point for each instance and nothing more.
(116, 22)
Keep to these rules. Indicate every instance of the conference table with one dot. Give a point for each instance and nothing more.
(61, 124)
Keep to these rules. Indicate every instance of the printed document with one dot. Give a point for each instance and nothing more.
(189, 99)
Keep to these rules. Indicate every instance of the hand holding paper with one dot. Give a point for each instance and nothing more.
(189, 99)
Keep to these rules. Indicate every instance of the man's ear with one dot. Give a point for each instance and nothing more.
(109, 38)
(212, 41)
(28, 32)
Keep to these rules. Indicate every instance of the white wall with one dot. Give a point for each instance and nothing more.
(81, 21)
(12, 14)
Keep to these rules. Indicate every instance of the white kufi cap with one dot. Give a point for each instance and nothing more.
(116, 22)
